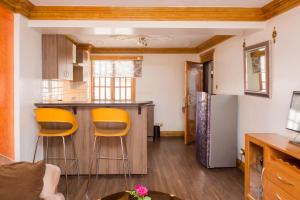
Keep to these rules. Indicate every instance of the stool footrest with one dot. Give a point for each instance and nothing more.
(56, 158)
(112, 158)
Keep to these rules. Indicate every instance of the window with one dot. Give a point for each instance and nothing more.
(262, 75)
(113, 80)
(113, 88)
(52, 90)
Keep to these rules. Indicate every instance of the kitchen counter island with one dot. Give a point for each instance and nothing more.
(141, 114)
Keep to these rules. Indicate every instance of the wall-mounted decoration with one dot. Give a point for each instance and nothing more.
(257, 69)
(274, 35)
(244, 43)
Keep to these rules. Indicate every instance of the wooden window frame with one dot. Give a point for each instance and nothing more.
(133, 81)
(113, 88)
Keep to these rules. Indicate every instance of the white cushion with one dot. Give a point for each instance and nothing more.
(51, 180)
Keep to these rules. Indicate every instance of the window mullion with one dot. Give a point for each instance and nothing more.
(112, 89)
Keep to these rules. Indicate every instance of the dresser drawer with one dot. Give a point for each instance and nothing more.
(284, 178)
(272, 192)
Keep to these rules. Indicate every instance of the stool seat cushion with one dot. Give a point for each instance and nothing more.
(55, 132)
(111, 132)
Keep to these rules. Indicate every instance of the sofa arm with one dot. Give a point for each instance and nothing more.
(51, 180)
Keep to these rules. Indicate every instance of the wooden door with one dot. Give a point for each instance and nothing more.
(194, 82)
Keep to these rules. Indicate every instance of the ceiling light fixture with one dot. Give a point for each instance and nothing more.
(142, 41)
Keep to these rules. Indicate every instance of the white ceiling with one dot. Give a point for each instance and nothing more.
(158, 34)
(128, 37)
(153, 3)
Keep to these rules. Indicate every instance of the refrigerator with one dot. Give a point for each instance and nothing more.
(216, 130)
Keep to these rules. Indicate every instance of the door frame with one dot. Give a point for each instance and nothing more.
(186, 100)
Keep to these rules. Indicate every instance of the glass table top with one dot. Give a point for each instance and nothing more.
(153, 194)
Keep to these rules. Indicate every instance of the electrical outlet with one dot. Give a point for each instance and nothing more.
(242, 152)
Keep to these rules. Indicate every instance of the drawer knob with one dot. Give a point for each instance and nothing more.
(279, 197)
(283, 180)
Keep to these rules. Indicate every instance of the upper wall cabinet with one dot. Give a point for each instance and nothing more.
(59, 54)
(80, 69)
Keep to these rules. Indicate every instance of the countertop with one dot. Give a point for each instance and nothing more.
(94, 104)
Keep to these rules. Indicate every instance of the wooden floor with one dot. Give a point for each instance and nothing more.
(172, 169)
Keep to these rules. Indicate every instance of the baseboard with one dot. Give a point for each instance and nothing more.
(171, 133)
(240, 164)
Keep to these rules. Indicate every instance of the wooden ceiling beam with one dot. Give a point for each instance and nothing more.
(276, 7)
(143, 50)
(146, 13)
(213, 41)
(26, 8)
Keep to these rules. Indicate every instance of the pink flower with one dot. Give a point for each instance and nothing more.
(141, 190)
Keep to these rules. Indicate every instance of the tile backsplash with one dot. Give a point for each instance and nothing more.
(60, 90)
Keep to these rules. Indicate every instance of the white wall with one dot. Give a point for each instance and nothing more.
(257, 114)
(28, 76)
(163, 82)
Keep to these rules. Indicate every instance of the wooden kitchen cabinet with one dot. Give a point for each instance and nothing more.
(272, 167)
(58, 57)
(81, 55)
(80, 70)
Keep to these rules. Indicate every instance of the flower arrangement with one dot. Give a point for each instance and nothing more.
(140, 192)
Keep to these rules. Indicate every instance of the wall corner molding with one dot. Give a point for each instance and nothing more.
(212, 42)
(277, 7)
(23, 7)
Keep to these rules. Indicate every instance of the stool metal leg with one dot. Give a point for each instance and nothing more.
(98, 158)
(75, 155)
(47, 145)
(127, 157)
(123, 158)
(36, 145)
(66, 167)
(92, 160)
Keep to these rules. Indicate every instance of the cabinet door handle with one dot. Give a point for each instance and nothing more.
(278, 196)
(284, 181)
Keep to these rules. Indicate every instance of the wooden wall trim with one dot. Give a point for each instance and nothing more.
(147, 13)
(144, 50)
(87, 47)
(171, 133)
(105, 57)
(277, 7)
(212, 42)
(207, 56)
(23, 7)
(26, 8)
(200, 48)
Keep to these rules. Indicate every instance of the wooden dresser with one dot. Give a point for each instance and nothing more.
(272, 168)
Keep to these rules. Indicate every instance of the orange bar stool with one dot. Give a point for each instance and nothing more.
(111, 115)
(53, 115)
